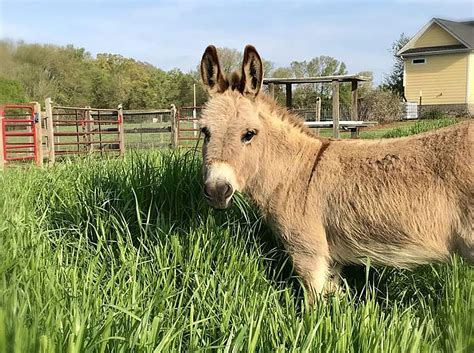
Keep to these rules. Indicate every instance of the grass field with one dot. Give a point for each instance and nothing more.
(125, 256)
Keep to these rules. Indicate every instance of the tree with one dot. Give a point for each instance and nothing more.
(229, 59)
(365, 86)
(305, 95)
(394, 81)
(279, 90)
(11, 91)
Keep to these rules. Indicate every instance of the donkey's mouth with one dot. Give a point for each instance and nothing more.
(218, 194)
(220, 204)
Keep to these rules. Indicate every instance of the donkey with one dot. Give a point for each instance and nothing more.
(400, 202)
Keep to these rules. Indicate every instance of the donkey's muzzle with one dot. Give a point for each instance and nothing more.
(218, 193)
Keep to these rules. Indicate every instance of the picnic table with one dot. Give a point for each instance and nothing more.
(352, 126)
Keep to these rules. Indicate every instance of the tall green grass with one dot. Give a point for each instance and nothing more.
(125, 256)
(419, 127)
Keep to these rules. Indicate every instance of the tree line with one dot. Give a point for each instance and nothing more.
(72, 76)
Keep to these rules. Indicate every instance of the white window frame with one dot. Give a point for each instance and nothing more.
(422, 63)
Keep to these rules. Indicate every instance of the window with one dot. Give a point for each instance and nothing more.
(418, 61)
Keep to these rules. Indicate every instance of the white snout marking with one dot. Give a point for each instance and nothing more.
(221, 171)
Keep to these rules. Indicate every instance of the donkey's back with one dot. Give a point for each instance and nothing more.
(400, 201)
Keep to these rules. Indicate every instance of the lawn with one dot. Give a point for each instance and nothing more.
(125, 256)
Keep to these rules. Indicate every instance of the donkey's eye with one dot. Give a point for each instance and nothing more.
(206, 133)
(248, 136)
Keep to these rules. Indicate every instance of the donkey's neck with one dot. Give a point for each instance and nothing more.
(286, 163)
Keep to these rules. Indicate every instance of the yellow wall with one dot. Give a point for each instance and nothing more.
(435, 36)
(471, 78)
(442, 79)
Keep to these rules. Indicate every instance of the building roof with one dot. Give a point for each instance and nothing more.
(462, 31)
(438, 48)
(318, 79)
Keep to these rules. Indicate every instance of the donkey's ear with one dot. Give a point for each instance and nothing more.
(211, 73)
(252, 72)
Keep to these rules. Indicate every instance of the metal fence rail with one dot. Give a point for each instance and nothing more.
(20, 133)
(78, 130)
(187, 126)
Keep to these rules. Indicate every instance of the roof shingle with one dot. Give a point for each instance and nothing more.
(463, 31)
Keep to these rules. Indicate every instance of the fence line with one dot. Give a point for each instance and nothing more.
(84, 130)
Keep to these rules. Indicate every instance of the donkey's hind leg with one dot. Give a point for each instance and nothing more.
(465, 245)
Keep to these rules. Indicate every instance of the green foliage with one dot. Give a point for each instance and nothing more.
(125, 256)
(305, 95)
(394, 81)
(419, 127)
(11, 91)
(71, 76)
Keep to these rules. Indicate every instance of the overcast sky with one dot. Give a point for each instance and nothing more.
(172, 34)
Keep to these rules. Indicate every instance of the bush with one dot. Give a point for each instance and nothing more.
(380, 105)
(432, 114)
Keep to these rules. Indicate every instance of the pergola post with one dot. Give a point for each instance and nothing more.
(271, 90)
(354, 101)
(335, 108)
(289, 103)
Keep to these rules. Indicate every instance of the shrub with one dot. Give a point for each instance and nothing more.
(381, 105)
(434, 113)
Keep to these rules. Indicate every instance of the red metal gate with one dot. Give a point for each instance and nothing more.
(188, 128)
(19, 133)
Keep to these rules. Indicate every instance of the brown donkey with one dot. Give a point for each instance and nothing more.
(399, 202)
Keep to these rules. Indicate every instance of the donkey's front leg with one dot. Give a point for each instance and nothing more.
(314, 271)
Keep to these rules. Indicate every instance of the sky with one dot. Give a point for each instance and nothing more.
(174, 34)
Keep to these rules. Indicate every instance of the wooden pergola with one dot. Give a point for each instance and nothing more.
(335, 81)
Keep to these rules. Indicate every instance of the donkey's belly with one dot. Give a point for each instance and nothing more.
(385, 243)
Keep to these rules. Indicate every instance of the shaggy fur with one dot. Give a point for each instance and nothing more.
(400, 202)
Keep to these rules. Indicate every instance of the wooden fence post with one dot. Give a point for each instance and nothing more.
(89, 128)
(174, 127)
(50, 130)
(39, 134)
(318, 113)
(121, 130)
(2, 157)
(335, 109)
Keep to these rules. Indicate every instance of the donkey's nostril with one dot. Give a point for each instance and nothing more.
(218, 191)
(207, 191)
(228, 190)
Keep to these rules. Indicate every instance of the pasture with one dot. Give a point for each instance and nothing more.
(126, 256)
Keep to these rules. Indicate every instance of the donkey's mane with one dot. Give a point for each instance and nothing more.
(282, 113)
